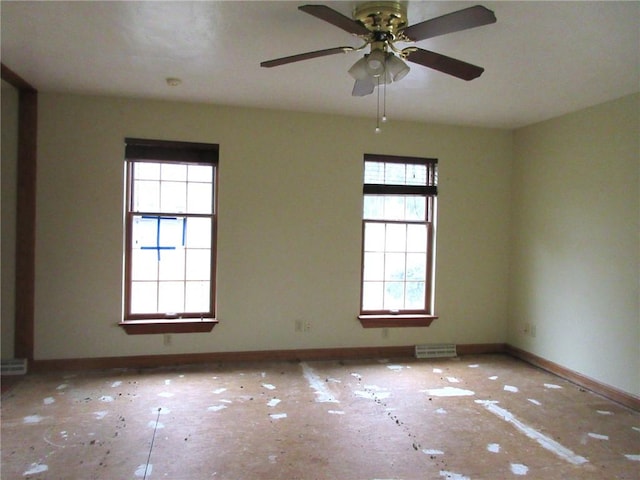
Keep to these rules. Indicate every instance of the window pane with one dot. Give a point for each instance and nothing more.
(374, 237)
(394, 174)
(415, 208)
(198, 233)
(171, 264)
(374, 172)
(174, 171)
(197, 296)
(373, 266)
(144, 297)
(394, 266)
(416, 238)
(415, 297)
(171, 297)
(199, 198)
(173, 197)
(393, 295)
(416, 174)
(198, 265)
(416, 266)
(144, 265)
(394, 207)
(146, 196)
(373, 207)
(372, 295)
(396, 239)
(145, 232)
(200, 173)
(146, 170)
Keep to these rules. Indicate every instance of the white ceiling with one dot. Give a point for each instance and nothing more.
(542, 58)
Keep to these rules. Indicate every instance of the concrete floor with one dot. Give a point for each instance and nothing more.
(473, 417)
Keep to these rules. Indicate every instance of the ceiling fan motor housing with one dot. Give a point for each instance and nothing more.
(383, 19)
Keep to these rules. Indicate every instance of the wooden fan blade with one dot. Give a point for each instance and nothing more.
(305, 56)
(335, 18)
(445, 64)
(452, 22)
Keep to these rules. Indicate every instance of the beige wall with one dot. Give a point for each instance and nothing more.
(9, 123)
(289, 226)
(575, 250)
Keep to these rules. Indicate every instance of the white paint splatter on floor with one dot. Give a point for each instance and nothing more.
(448, 392)
(493, 377)
(453, 380)
(116, 384)
(534, 401)
(101, 414)
(598, 436)
(226, 401)
(273, 402)
(452, 475)
(336, 412)
(372, 395)
(510, 388)
(216, 408)
(268, 386)
(272, 458)
(544, 441)
(49, 400)
(552, 386)
(437, 370)
(62, 386)
(32, 419)
(218, 391)
(493, 447)
(633, 458)
(604, 412)
(166, 394)
(154, 424)
(431, 451)
(144, 470)
(519, 469)
(106, 398)
(441, 411)
(357, 375)
(475, 365)
(167, 382)
(323, 394)
(36, 468)
(278, 416)
(395, 368)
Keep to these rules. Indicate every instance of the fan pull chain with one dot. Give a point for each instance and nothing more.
(378, 109)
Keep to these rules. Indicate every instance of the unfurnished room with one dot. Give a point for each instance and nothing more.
(334, 240)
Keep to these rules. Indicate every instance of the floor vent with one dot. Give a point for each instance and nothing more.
(14, 366)
(436, 350)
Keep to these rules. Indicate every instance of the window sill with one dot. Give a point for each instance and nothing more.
(145, 327)
(391, 321)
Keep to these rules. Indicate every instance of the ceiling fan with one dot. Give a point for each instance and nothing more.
(380, 25)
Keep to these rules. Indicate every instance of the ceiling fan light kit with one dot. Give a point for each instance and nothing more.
(380, 25)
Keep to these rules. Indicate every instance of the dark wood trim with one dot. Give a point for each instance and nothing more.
(16, 80)
(612, 393)
(147, 327)
(393, 321)
(25, 214)
(147, 361)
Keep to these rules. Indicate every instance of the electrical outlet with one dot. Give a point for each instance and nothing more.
(297, 325)
(385, 333)
(166, 340)
(526, 329)
(306, 326)
(532, 330)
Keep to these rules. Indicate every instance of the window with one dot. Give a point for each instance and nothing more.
(398, 241)
(170, 236)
